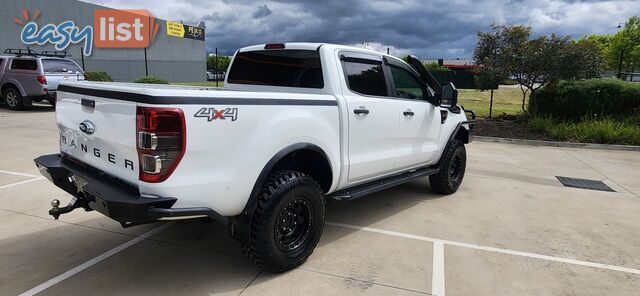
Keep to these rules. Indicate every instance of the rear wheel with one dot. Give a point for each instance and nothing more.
(13, 99)
(454, 164)
(287, 223)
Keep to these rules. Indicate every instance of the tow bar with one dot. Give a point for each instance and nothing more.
(76, 202)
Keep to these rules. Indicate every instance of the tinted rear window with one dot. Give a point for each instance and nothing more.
(366, 78)
(59, 66)
(290, 68)
(22, 64)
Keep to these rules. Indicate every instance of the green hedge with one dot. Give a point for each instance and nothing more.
(574, 100)
(151, 80)
(97, 76)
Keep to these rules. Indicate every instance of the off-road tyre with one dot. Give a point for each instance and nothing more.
(448, 180)
(276, 243)
(12, 99)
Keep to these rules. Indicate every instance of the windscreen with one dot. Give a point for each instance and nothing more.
(288, 68)
(59, 66)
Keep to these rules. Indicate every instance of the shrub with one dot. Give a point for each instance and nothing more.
(97, 76)
(151, 80)
(633, 119)
(541, 124)
(606, 131)
(573, 100)
(592, 130)
(562, 131)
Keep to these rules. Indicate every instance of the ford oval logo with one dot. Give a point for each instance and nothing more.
(87, 127)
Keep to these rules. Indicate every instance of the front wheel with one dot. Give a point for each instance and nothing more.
(451, 173)
(287, 222)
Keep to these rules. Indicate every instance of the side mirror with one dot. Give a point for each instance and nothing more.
(449, 96)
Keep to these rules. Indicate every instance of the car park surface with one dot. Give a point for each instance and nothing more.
(511, 229)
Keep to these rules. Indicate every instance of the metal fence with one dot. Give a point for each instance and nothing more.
(506, 100)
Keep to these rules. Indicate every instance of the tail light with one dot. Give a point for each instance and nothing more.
(42, 79)
(161, 141)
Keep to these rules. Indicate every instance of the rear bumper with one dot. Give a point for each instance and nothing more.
(49, 95)
(112, 197)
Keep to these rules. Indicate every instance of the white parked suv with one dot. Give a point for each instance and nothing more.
(295, 124)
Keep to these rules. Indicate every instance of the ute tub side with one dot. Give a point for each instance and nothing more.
(229, 143)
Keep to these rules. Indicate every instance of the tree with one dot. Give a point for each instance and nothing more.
(627, 40)
(497, 51)
(540, 61)
(434, 66)
(586, 59)
(223, 63)
(603, 42)
(508, 51)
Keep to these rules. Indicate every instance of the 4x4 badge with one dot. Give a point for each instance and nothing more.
(87, 127)
(212, 114)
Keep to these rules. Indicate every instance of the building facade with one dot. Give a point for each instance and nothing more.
(125, 44)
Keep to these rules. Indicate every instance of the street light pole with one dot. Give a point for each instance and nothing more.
(620, 25)
(215, 68)
(620, 64)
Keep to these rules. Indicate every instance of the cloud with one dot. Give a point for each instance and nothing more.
(430, 29)
(262, 11)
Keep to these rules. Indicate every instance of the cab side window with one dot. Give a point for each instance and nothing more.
(407, 86)
(366, 78)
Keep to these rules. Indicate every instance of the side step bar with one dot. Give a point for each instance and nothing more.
(186, 213)
(381, 184)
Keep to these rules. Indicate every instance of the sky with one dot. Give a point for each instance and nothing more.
(428, 29)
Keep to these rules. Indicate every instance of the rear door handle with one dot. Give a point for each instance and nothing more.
(361, 111)
(408, 113)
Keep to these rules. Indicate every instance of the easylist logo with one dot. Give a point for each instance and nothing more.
(111, 28)
(124, 28)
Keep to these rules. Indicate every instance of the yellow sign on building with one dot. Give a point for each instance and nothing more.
(181, 30)
(175, 29)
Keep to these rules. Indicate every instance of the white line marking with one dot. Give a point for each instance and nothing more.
(437, 277)
(94, 261)
(21, 182)
(19, 174)
(491, 249)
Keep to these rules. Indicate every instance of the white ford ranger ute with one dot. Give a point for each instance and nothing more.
(294, 125)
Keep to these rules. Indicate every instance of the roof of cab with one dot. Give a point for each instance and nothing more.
(315, 46)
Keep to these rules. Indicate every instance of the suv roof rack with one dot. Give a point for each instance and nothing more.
(55, 53)
(20, 51)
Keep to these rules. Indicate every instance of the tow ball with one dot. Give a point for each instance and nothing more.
(56, 210)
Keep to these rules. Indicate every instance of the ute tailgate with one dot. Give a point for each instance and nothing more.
(99, 132)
